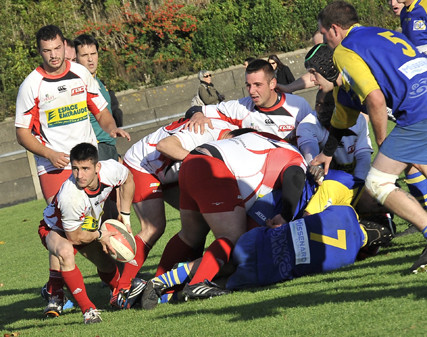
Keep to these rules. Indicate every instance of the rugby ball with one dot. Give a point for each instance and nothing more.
(123, 242)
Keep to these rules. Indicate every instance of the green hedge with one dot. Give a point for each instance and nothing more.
(146, 46)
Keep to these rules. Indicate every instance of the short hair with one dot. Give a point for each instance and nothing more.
(70, 43)
(320, 58)
(249, 59)
(260, 64)
(84, 151)
(85, 40)
(339, 13)
(47, 33)
(202, 73)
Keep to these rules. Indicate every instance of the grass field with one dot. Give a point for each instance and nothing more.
(374, 297)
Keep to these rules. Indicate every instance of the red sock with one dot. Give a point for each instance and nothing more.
(132, 267)
(176, 251)
(112, 279)
(74, 281)
(55, 284)
(220, 249)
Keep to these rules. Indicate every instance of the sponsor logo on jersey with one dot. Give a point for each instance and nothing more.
(285, 128)
(47, 98)
(414, 67)
(154, 184)
(217, 203)
(300, 241)
(68, 114)
(419, 25)
(62, 88)
(77, 91)
(268, 121)
(261, 216)
(351, 149)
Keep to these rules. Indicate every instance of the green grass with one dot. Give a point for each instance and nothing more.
(374, 297)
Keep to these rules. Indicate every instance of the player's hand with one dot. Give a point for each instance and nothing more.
(322, 159)
(124, 217)
(117, 132)
(317, 172)
(105, 241)
(59, 159)
(277, 221)
(197, 123)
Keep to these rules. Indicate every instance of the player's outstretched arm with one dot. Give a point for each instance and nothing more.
(172, 148)
(108, 124)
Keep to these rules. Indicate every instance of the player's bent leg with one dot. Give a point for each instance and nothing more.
(194, 228)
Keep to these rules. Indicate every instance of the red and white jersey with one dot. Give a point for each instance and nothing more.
(355, 143)
(256, 161)
(73, 207)
(56, 109)
(144, 157)
(280, 120)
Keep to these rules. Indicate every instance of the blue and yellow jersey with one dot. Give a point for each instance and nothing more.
(364, 60)
(413, 20)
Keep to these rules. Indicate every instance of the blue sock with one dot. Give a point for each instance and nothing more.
(417, 185)
(178, 275)
(424, 231)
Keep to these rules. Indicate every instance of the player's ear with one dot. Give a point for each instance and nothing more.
(273, 83)
(97, 167)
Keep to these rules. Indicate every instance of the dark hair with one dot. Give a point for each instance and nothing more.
(274, 57)
(260, 64)
(70, 43)
(85, 40)
(84, 151)
(339, 13)
(320, 58)
(47, 33)
(249, 59)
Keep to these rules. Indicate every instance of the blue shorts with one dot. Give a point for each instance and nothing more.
(407, 144)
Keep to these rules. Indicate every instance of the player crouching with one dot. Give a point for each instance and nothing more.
(71, 223)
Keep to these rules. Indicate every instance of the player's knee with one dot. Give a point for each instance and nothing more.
(380, 184)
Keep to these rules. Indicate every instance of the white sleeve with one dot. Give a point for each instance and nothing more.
(307, 138)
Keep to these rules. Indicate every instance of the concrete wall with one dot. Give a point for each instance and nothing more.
(144, 110)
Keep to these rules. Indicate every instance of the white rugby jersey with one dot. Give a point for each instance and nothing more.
(73, 207)
(280, 120)
(56, 109)
(256, 161)
(144, 157)
(310, 132)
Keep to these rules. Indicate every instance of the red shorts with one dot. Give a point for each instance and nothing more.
(207, 185)
(147, 186)
(44, 230)
(51, 182)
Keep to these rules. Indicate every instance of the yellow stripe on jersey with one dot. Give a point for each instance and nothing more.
(355, 72)
(343, 117)
(331, 192)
